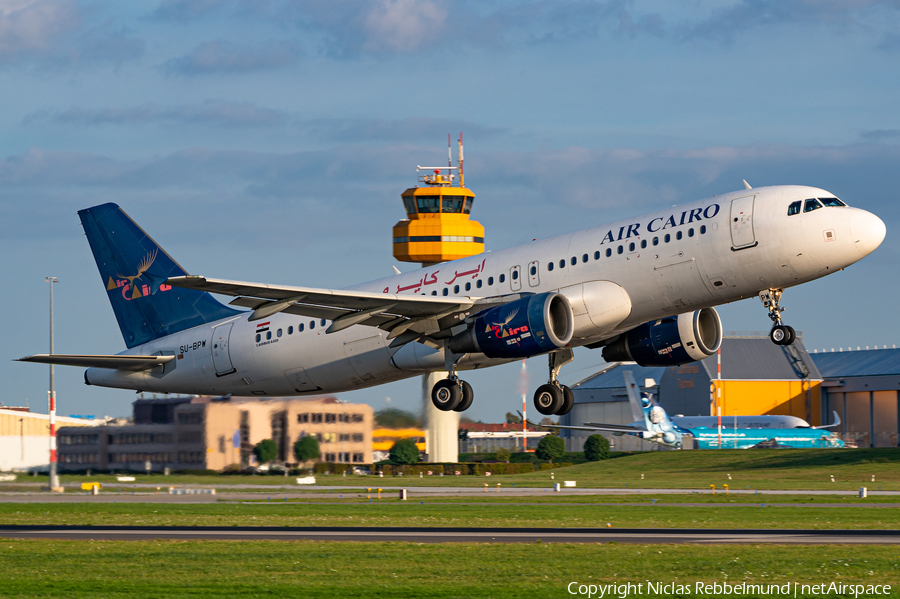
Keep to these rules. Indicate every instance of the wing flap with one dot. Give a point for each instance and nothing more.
(120, 362)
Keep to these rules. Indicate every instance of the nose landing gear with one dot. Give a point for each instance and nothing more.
(553, 398)
(780, 334)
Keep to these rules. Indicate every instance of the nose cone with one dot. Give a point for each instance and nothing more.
(868, 231)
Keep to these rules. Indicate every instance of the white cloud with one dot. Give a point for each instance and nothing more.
(403, 25)
(34, 26)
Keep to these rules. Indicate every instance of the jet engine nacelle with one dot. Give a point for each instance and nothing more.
(669, 341)
(527, 327)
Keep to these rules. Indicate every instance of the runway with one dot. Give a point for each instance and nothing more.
(455, 535)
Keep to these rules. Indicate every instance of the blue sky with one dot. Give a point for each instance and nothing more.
(270, 140)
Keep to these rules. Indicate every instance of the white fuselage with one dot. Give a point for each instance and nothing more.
(681, 259)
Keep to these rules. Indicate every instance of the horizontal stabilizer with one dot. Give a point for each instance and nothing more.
(132, 363)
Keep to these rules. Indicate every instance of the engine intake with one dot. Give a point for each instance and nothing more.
(669, 341)
(519, 329)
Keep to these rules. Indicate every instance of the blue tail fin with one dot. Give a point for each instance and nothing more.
(134, 270)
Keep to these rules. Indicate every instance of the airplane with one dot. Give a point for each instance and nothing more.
(652, 423)
(643, 289)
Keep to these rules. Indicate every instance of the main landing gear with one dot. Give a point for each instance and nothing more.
(553, 397)
(781, 334)
(452, 393)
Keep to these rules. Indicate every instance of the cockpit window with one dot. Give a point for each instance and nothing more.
(794, 208)
(811, 204)
(832, 202)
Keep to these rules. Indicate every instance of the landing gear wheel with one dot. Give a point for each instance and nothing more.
(548, 399)
(568, 402)
(446, 395)
(468, 394)
(791, 335)
(779, 335)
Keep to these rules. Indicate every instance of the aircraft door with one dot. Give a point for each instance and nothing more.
(742, 235)
(515, 278)
(534, 274)
(220, 351)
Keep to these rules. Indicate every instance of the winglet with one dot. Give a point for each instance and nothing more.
(837, 422)
(746, 185)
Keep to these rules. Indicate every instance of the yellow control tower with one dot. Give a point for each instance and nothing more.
(438, 228)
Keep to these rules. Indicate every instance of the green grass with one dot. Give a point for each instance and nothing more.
(165, 569)
(759, 469)
(440, 514)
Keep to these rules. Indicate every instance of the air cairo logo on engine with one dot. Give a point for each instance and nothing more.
(127, 283)
(501, 330)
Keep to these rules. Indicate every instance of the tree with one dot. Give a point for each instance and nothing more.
(266, 451)
(596, 448)
(503, 455)
(396, 418)
(550, 448)
(404, 451)
(307, 448)
(512, 418)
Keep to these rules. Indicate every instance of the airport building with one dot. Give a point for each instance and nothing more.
(863, 387)
(204, 433)
(25, 437)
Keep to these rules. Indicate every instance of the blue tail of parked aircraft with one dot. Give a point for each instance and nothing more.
(134, 270)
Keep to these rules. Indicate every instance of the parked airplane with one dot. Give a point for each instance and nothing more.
(652, 423)
(643, 289)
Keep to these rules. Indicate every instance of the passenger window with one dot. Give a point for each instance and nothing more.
(643, 243)
(533, 270)
(678, 235)
(584, 258)
(608, 252)
(619, 249)
(597, 255)
(323, 322)
(574, 260)
(490, 280)
(794, 208)
(811, 204)
(279, 332)
(434, 292)
(562, 263)
(258, 337)
(479, 283)
(691, 232)
(656, 241)
(631, 247)
(515, 275)
(667, 238)
(312, 324)
(468, 286)
(703, 229)
(268, 335)
(501, 278)
(290, 330)
(456, 289)
(549, 266)
(446, 291)
(300, 327)
(831, 202)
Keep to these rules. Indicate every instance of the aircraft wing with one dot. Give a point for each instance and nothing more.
(594, 426)
(132, 363)
(409, 315)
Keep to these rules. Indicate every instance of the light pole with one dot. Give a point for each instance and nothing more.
(54, 478)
